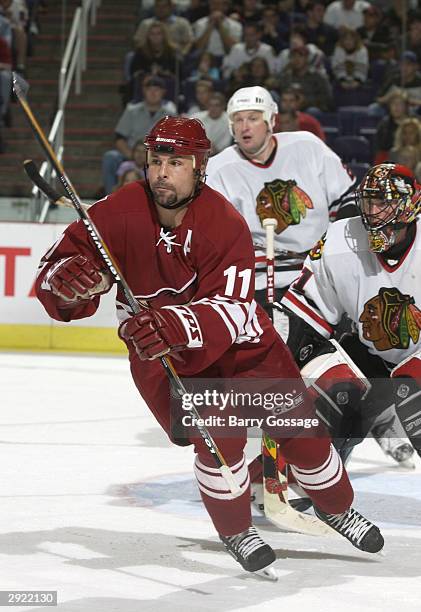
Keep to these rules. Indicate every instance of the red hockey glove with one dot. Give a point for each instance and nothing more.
(155, 333)
(76, 279)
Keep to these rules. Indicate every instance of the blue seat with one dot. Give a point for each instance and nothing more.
(350, 118)
(352, 149)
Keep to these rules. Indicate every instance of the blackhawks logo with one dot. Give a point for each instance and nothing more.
(390, 320)
(283, 201)
(317, 251)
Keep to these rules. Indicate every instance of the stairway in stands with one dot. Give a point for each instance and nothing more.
(91, 116)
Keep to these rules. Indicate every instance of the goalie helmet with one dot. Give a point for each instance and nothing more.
(183, 136)
(388, 198)
(252, 98)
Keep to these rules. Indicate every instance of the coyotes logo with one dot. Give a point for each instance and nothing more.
(283, 201)
(390, 320)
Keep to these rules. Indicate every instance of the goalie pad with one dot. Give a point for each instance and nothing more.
(407, 387)
(338, 387)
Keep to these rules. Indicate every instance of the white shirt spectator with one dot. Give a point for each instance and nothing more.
(337, 15)
(316, 59)
(215, 44)
(240, 55)
(217, 130)
(359, 59)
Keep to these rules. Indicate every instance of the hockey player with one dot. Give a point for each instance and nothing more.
(294, 178)
(367, 267)
(188, 257)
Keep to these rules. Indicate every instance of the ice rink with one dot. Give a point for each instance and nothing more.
(97, 505)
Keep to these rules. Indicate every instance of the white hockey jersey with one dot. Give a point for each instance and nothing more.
(302, 186)
(341, 276)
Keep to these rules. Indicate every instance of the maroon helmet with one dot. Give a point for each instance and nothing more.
(180, 135)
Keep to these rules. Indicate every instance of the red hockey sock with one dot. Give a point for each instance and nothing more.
(230, 515)
(319, 470)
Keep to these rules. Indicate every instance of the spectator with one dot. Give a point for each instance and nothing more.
(217, 33)
(244, 52)
(157, 55)
(196, 10)
(394, 17)
(287, 121)
(316, 88)
(397, 102)
(374, 33)
(406, 77)
(133, 125)
(215, 120)
(240, 78)
(320, 34)
(259, 74)
(203, 91)
(290, 101)
(270, 28)
(298, 40)
(128, 175)
(206, 69)
(350, 59)
(414, 36)
(17, 14)
(348, 13)
(179, 30)
(137, 161)
(248, 11)
(407, 143)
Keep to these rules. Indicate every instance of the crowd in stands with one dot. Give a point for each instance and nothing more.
(346, 70)
(18, 24)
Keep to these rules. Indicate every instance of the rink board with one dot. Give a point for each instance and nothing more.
(24, 324)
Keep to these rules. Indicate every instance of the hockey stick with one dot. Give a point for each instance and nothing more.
(32, 172)
(112, 265)
(275, 483)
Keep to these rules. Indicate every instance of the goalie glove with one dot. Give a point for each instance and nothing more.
(338, 387)
(155, 333)
(76, 279)
(407, 385)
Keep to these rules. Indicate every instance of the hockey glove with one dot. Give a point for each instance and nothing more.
(407, 379)
(76, 279)
(155, 333)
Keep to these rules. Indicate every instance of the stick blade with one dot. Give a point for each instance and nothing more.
(20, 85)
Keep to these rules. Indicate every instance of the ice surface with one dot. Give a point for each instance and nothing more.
(97, 505)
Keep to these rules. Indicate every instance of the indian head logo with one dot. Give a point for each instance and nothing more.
(390, 320)
(284, 201)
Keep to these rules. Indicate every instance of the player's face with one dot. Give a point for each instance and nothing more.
(378, 212)
(250, 131)
(171, 177)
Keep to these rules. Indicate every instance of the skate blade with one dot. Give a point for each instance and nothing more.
(268, 573)
(283, 516)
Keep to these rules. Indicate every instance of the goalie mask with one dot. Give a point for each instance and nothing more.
(388, 198)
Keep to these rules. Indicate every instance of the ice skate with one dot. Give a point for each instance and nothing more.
(356, 528)
(251, 552)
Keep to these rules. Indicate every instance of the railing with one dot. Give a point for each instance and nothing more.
(72, 65)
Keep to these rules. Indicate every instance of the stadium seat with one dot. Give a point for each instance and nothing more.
(352, 149)
(358, 170)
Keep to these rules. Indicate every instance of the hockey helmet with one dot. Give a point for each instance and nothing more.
(388, 198)
(252, 98)
(183, 136)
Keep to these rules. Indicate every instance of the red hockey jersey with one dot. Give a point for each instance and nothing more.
(205, 264)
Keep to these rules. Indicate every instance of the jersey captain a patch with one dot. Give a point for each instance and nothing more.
(390, 320)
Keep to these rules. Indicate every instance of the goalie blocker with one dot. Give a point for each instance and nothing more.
(406, 377)
(337, 384)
